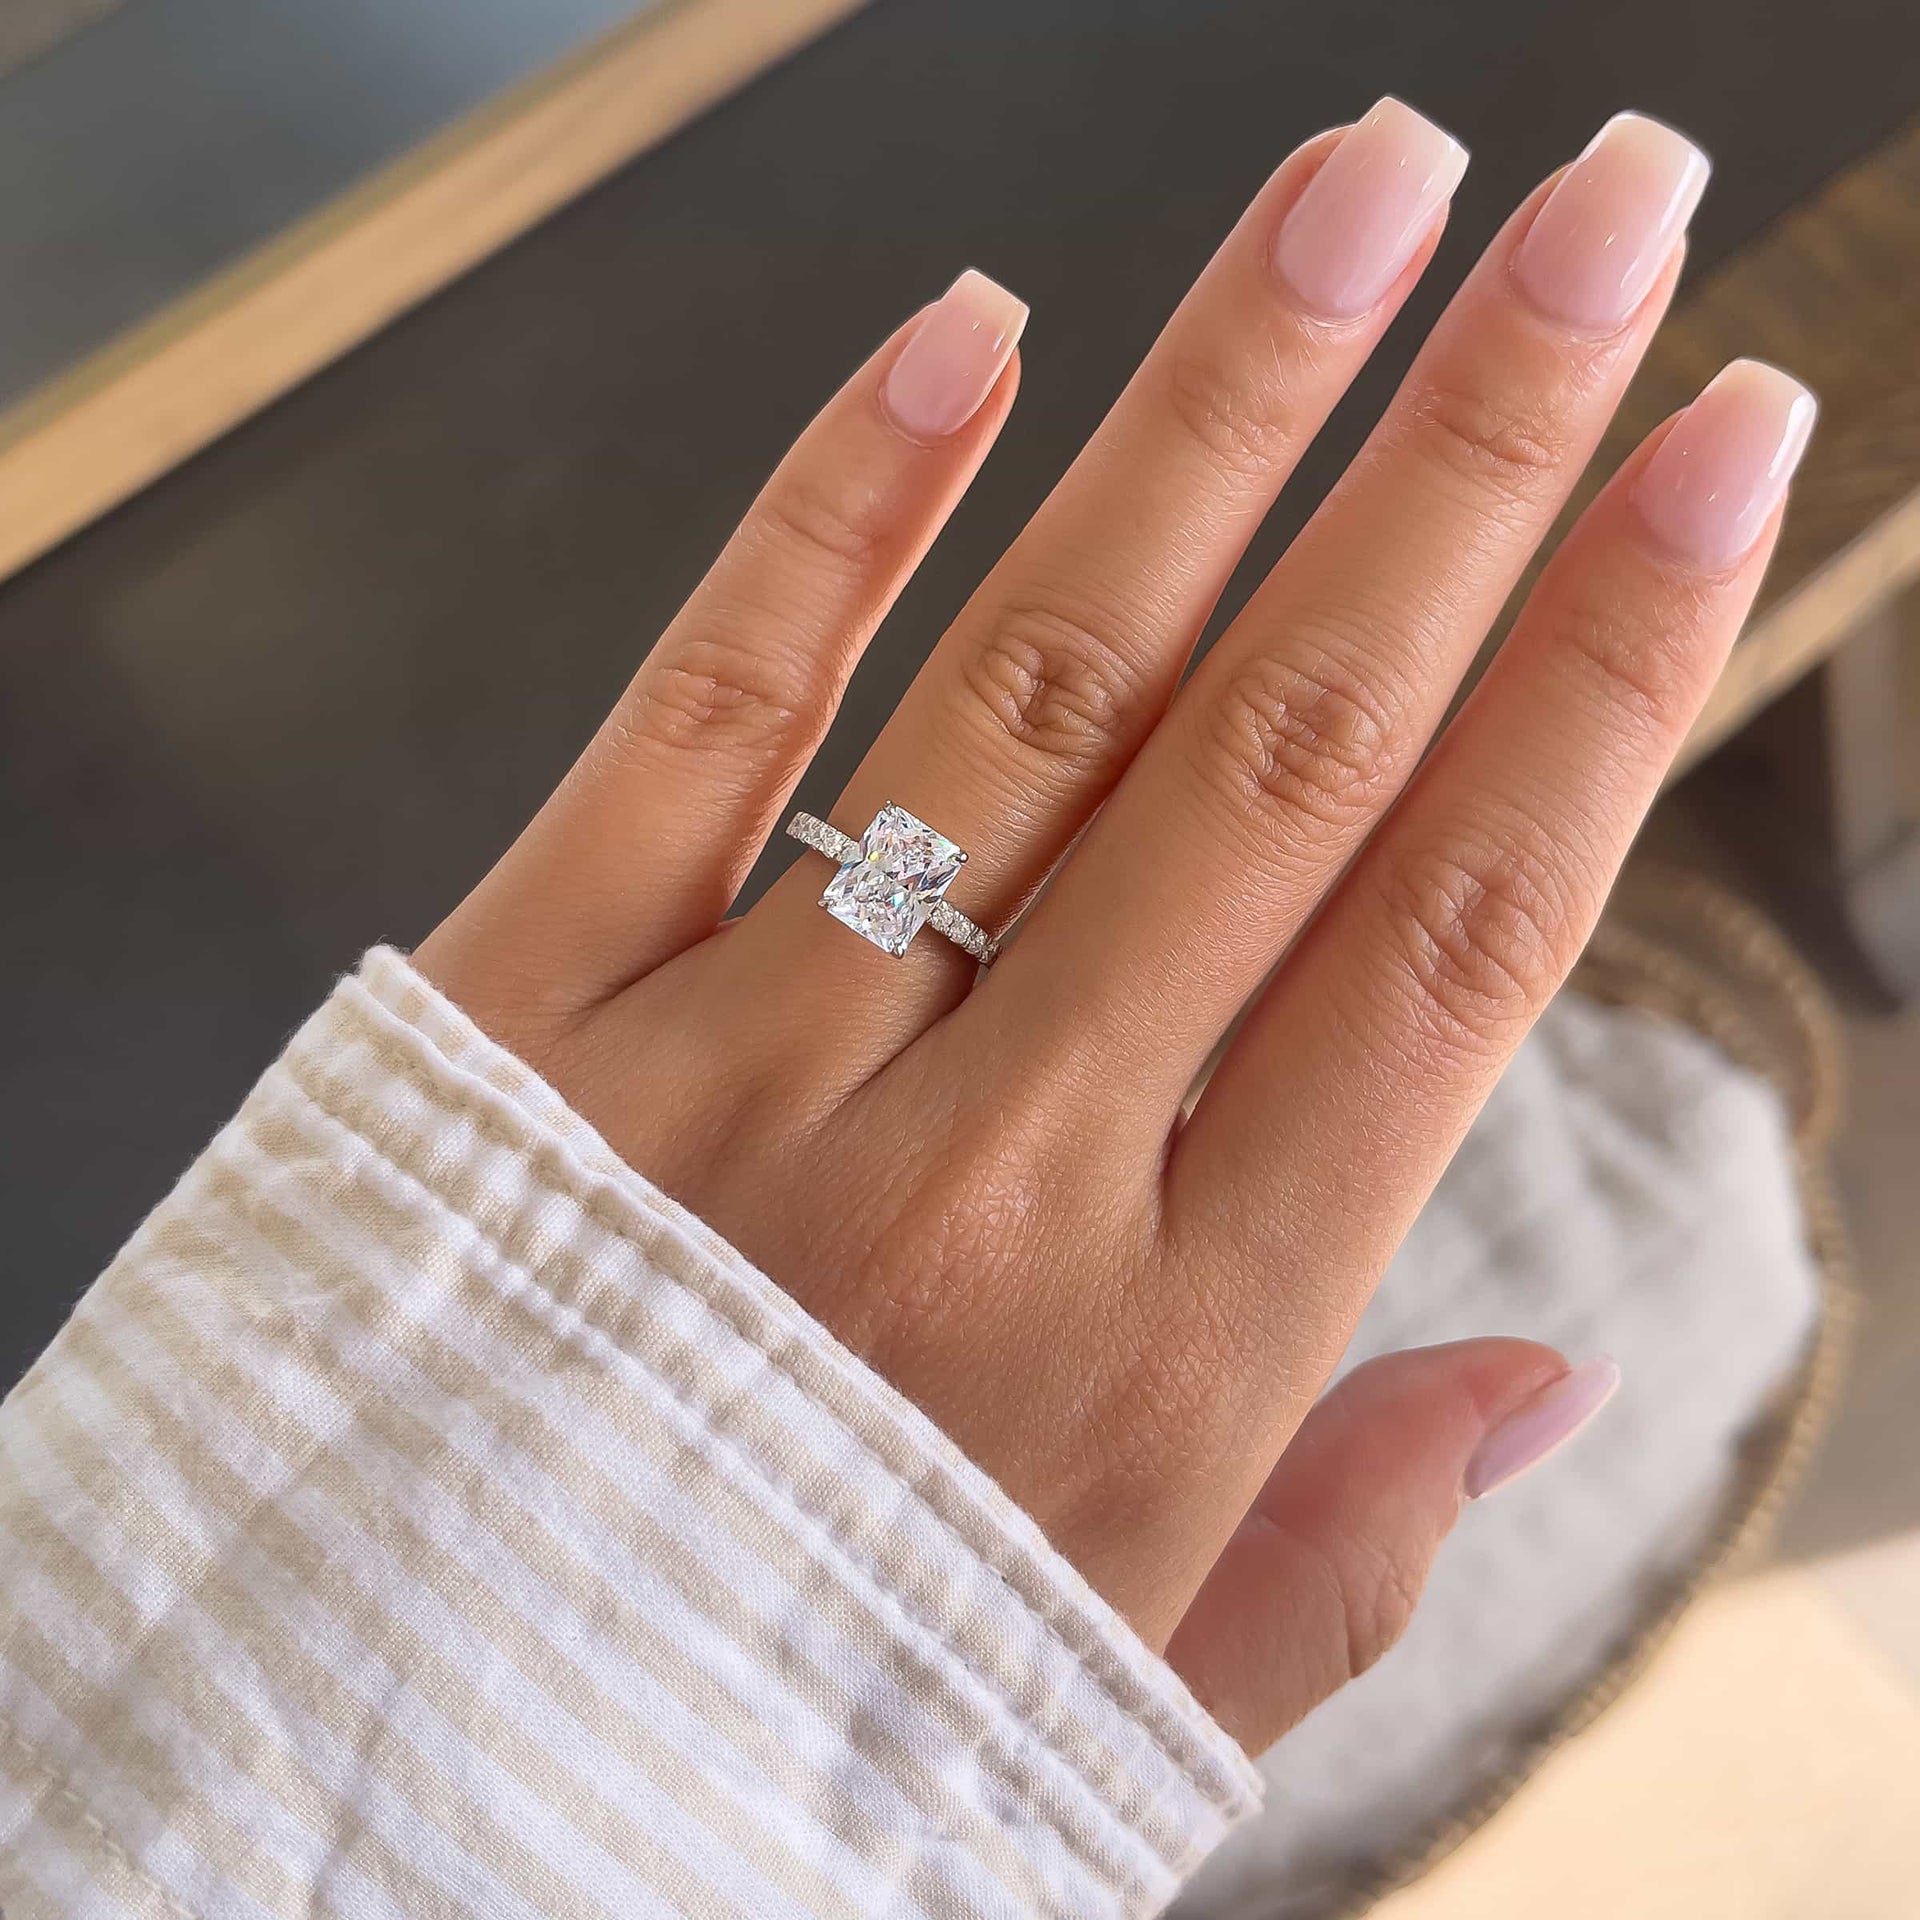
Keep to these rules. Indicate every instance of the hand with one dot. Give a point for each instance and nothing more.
(986, 1186)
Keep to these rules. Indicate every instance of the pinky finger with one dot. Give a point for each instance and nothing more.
(640, 851)
(1401, 1005)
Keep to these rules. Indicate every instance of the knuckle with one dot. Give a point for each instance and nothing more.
(1238, 414)
(707, 694)
(951, 1235)
(840, 529)
(1485, 936)
(1308, 742)
(1045, 675)
(1647, 669)
(1503, 445)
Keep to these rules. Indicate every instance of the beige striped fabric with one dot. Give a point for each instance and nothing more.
(424, 1516)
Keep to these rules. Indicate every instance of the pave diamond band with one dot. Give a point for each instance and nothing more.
(893, 881)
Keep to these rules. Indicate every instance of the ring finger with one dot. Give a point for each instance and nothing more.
(1037, 697)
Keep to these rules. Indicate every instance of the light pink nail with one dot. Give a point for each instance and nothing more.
(1607, 228)
(1540, 1426)
(953, 357)
(1714, 481)
(1363, 216)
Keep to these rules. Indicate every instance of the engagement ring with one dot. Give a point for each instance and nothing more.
(893, 881)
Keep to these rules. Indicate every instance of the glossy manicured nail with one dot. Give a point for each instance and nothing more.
(1540, 1426)
(1714, 481)
(1598, 244)
(1364, 214)
(951, 361)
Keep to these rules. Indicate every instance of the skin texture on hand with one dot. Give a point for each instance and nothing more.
(991, 1187)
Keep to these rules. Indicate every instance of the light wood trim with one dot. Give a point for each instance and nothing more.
(128, 414)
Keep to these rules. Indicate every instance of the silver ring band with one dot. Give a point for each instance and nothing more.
(893, 881)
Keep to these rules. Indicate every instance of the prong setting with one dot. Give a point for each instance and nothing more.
(893, 881)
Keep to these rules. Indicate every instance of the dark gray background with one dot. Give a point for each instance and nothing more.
(293, 699)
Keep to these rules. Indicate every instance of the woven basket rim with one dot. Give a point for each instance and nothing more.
(1626, 967)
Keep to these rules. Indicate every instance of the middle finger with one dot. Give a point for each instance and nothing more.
(1303, 723)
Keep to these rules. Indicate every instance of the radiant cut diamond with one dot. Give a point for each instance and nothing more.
(901, 874)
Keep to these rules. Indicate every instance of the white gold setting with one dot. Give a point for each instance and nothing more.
(893, 881)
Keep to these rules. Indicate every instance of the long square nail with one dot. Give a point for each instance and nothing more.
(1350, 235)
(1614, 217)
(951, 360)
(1713, 483)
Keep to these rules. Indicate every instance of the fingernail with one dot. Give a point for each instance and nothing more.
(1598, 244)
(1715, 480)
(1363, 216)
(953, 357)
(1541, 1426)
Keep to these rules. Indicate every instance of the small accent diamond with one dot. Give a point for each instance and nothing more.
(901, 873)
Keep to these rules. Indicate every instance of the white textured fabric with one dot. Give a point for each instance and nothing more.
(424, 1516)
(1627, 1190)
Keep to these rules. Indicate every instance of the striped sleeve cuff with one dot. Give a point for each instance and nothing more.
(425, 1516)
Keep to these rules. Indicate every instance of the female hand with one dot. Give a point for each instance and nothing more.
(985, 1185)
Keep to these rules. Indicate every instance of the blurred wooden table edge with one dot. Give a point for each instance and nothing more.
(127, 415)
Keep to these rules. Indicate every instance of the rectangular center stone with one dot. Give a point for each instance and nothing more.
(903, 870)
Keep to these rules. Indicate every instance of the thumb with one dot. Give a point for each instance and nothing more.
(1321, 1577)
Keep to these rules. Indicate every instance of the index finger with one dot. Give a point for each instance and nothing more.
(641, 849)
